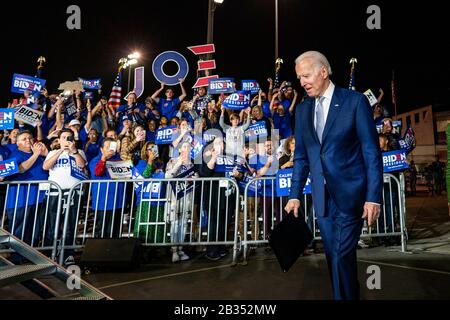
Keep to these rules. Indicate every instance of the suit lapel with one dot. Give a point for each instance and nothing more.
(335, 108)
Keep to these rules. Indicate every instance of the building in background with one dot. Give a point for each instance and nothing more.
(429, 124)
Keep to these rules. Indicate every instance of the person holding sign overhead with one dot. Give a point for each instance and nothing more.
(66, 167)
(336, 140)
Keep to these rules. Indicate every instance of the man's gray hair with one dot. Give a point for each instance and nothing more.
(318, 59)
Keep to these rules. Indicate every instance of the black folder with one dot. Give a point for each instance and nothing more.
(289, 239)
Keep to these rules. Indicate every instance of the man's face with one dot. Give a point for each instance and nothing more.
(268, 147)
(152, 125)
(55, 144)
(312, 78)
(63, 140)
(169, 93)
(24, 142)
(106, 147)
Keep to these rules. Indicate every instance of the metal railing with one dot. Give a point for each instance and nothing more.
(263, 209)
(31, 212)
(167, 212)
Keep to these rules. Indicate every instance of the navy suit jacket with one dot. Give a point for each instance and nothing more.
(349, 157)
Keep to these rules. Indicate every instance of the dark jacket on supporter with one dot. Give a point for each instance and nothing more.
(105, 196)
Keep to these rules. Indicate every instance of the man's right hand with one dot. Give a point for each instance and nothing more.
(293, 205)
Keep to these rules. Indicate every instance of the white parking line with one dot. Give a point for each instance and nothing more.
(164, 276)
(405, 267)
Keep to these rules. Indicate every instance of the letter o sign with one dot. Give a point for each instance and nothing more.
(162, 59)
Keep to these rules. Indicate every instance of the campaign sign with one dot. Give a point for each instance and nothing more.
(183, 188)
(409, 140)
(221, 85)
(95, 84)
(371, 97)
(250, 85)
(28, 115)
(394, 161)
(284, 180)
(165, 135)
(119, 169)
(148, 190)
(71, 109)
(22, 83)
(76, 171)
(257, 130)
(8, 167)
(224, 163)
(89, 95)
(6, 119)
(170, 56)
(237, 101)
(197, 147)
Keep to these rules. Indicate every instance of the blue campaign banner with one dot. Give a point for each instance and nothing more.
(95, 84)
(239, 100)
(221, 85)
(8, 167)
(146, 191)
(284, 180)
(395, 161)
(165, 135)
(197, 147)
(22, 83)
(224, 163)
(257, 130)
(75, 171)
(6, 119)
(250, 85)
(89, 95)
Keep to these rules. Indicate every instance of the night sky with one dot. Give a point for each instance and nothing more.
(413, 41)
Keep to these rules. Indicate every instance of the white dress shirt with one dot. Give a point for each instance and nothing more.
(328, 96)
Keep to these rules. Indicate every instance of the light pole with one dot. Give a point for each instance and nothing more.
(276, 30)
(128, 62)
(212, 6)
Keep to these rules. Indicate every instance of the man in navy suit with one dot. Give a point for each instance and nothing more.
(336, 140)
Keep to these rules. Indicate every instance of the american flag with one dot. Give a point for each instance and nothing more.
(116, 93)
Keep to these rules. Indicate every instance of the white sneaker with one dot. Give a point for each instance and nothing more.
(183, 256)
(362, 244)
(175, 257)
(70, 260)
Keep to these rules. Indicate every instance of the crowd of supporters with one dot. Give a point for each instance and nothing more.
(94, 134)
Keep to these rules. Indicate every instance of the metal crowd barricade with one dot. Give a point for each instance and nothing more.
(160, 212)
(27, 214)
(262, 210)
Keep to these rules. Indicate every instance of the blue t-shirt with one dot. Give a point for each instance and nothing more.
(283, 124)
(35, 173)
(12, 147)
(4, 153)
(257, 162)
(151, 135)
(104, 197)
(168, 108)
